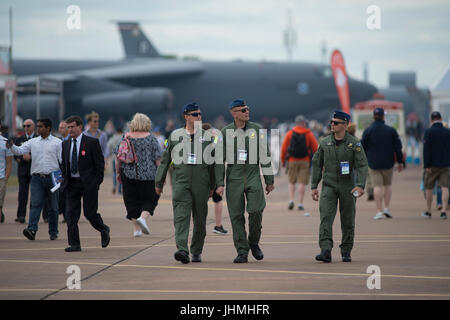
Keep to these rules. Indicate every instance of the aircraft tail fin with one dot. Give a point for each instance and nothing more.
(135, 42)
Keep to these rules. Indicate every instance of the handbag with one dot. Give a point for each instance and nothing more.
(126, 152)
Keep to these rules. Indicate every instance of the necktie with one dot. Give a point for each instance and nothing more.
(74, 167)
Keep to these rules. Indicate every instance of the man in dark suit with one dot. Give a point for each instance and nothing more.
(23, 170)
(82, 170)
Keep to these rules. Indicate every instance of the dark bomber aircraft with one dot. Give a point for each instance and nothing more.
(156, 85)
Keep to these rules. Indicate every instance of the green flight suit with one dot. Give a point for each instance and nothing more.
(243, 181)
(337, 164)
(191, 184)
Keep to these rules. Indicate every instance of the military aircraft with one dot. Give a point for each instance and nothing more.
(146, 81)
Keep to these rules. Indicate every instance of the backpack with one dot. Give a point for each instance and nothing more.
(125, 152)
(297, 148)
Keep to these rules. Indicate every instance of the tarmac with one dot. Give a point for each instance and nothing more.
(411, 254)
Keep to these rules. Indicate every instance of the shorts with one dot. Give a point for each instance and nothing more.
(298, 172)
(437, 174)
(381, 178)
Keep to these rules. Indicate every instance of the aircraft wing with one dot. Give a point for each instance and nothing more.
(144, 68)
(31, 80)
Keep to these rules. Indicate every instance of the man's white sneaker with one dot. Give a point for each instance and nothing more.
(141, 222)
(387, 213)
(138, 233)
(379, 216)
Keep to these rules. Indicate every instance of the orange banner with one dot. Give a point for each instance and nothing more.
(341, 80)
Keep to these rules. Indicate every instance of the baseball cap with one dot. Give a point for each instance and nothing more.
(378, 112)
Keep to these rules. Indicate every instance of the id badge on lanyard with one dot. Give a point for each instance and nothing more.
(345, 167)
(192, 159)
(242, 155)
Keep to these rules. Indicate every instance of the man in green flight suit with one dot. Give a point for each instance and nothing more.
(192, 183)
(340, 156)
(245, 150)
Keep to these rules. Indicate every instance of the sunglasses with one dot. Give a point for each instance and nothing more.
(195, 114)
(337, 122)
(27, 125)
(243, 110)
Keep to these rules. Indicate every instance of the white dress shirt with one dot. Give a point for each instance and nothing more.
(77, 175)
(46, 153)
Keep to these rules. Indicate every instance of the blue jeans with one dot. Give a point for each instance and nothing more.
(40, 190)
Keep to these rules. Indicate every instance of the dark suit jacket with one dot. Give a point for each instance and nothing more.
(91, 163)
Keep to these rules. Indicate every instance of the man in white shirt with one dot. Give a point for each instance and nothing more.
(46, 154)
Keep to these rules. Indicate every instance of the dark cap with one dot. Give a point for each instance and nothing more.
(436, 115)
(190, 107)
(237, 103)
(378, 112)
(300, 118)
(341, 115)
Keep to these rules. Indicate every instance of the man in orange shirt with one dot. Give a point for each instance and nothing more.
(298, 147)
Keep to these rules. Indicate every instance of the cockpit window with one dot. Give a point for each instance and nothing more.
(325, 72)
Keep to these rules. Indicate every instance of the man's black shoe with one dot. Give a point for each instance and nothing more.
(182, 256)
(72, 249)
(346, 257)
(2, 219)
(53, 236)
(256, 252)
(241, 258)
(29, 234)
(105, 237)
(196, 258)
(443, 215)
(20, 220)
(325, 256)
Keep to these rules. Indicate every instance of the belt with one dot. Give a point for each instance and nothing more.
(42, 175)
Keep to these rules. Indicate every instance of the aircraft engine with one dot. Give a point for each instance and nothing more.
(126, 103)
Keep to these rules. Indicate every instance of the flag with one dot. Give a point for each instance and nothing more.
(341, 80)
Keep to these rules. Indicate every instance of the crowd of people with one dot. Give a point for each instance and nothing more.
(142, 156)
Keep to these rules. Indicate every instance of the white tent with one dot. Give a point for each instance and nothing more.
(440, 95)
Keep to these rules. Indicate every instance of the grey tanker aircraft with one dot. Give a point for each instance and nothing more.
(146, 81)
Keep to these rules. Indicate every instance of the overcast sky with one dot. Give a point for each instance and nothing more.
(414, 34)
